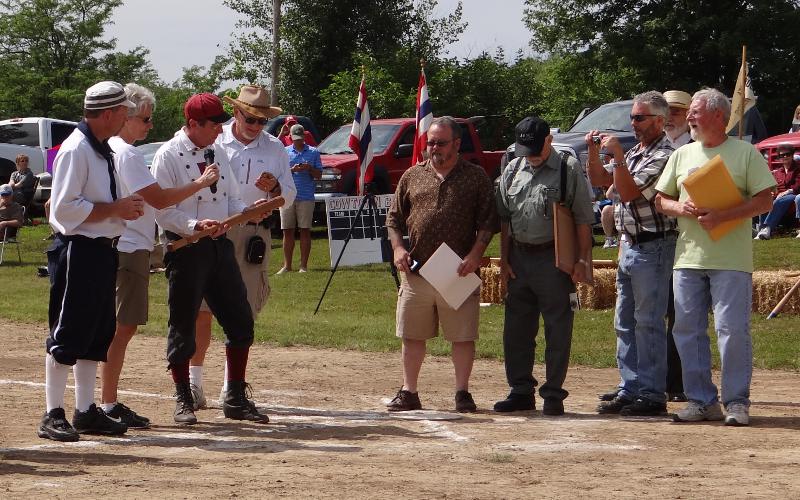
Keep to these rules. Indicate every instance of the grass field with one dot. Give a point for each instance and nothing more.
(358, 309)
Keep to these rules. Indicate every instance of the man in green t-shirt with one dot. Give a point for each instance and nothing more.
(715, 274)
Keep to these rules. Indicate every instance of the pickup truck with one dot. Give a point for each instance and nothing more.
(38, 138)
(392, 147)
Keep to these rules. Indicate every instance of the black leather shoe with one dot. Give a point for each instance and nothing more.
(614, 406)
(677, 397)
(516, 402)
(237, 406)
(184, 405)
(553, 407)
(465, 403)
(609, 396)
(644, 407)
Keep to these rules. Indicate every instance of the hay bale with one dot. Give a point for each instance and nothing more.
(769, 287)
(492, 290)
(601, 295)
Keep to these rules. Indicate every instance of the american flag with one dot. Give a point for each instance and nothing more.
(361, 138)
(424, 118)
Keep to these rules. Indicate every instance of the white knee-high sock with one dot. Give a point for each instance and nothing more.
(55, 382)
(85, 372)
(196, 375)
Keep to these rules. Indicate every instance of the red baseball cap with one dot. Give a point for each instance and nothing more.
(205, 106)
(290, 119)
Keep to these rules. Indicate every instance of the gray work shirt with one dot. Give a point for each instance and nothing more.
(526, 200)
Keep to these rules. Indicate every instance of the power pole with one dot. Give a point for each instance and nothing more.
(276, 23)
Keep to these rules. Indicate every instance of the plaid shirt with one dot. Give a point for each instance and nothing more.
(645, 165)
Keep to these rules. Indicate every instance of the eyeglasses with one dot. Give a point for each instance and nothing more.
(640, 118)
(438, 143)
(781, 156)
(146, 119)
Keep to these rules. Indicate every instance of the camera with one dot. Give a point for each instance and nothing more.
(596, 139)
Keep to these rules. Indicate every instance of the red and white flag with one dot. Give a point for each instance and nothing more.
(424, 119)
(361, 138)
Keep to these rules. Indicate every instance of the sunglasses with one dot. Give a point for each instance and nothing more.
(438, 143)
(781, 156)
(252, 119)
(146, 119)
(640, 118)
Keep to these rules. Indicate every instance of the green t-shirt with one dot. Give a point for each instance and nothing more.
(750, 173)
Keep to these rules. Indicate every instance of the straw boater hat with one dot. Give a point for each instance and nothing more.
(678, 98)
(254, 100)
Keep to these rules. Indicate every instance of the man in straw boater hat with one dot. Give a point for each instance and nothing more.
(206, 269)
(676, 127)
(88, 215)
(260, 167)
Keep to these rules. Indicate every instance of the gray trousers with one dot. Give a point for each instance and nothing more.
(539, 288)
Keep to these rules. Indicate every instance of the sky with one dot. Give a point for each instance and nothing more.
(183, 33)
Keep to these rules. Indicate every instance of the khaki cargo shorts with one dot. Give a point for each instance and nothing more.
(133, 281)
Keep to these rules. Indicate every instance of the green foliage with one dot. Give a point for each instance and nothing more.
(685, 45)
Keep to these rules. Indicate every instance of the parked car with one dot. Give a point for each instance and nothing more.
(39, 139)
(149, 151)
(392, 147)
(612, 118)
(769, 147)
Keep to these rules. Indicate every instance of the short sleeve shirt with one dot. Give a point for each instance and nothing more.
(525, 200)
(695, 248)
(134, 176)
(434, 211)
(303, 180)
(23, 180)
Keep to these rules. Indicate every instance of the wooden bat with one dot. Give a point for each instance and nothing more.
(784, 300)
(231, 221)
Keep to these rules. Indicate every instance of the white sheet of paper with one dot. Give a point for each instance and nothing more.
(441, 271)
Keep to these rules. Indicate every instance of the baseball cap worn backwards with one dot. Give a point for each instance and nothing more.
(205, 106)
(530, 135)
(104, 95)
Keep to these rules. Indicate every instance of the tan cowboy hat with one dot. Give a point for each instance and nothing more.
(254, 100)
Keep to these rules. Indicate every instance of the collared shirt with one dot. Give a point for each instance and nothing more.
(526, 200)
(787, 180)
(681, 140)
(434, 211)
(645, 165)
(265, 153)
(81, 179)
(303, 180)
(178, 162)
(23, 181)
(134, 176)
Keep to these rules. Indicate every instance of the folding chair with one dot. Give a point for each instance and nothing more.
(26, 206)
(10, 238)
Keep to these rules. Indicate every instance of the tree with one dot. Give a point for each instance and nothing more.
(679, 45)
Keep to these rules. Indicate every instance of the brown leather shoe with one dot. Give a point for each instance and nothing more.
(405, 401)
(465, 403)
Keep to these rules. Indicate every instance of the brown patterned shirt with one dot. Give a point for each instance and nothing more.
(433, 211)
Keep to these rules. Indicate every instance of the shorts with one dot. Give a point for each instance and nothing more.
(133, 281)
(420, 310)
(298, 214)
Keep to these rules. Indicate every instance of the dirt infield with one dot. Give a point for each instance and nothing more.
(330, 437)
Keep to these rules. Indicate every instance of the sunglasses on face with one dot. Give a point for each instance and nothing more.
(146, 119)
(438, 143)
(640, 118)
(781, 156)
(252, 119)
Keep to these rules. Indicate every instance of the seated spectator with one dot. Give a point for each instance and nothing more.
(10, 213)
(22, 181)
(785, 194)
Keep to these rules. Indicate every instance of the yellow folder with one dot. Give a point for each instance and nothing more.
(711, 186)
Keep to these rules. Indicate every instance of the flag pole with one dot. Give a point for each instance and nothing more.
(744, 92)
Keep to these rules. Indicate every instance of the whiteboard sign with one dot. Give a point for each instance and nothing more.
(365, 243)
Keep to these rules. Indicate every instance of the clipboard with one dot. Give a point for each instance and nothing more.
(711, 186)
(565, 236)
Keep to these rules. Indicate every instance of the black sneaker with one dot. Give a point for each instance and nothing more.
(553, 407)
(465, 403)
(609, 396)
(614, 406)
(128, 417)
(184, 405)
(95, 421)
(238, 406)
(516, 402)
(677, 397)
(405, 401)
(643, 407)
(55, 426)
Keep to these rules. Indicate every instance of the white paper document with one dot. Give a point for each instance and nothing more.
(441, 271)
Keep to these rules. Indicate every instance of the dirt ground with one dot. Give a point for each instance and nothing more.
(330, 437)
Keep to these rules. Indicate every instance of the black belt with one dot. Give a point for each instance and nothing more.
(533, 247)
(646, 236)
(100, 240)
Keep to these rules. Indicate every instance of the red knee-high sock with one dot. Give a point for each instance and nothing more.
(237, 362)
(180, 372)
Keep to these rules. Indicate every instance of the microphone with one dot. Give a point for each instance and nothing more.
(209, 156)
